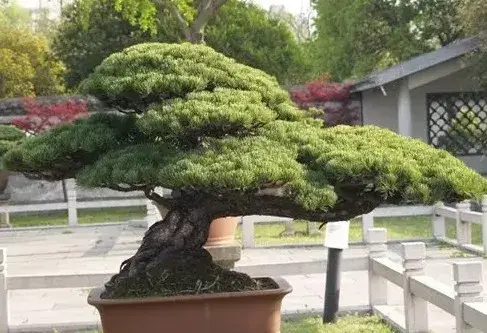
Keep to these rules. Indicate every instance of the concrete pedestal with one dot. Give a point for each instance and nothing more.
(226, 255)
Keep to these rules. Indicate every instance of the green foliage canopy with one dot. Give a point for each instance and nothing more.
(27, 66)
(199, 123)
(241, 30)
(355, 37)
(9, 137)
(473, 14)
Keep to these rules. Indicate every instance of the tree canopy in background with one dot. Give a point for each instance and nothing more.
(355, 37)
(191, 16)
(83, 42)
(473, 15)
(247, 33)
(27, 67)
(241, 30)
(13, 15)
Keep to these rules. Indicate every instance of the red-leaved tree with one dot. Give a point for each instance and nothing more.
(333, 98)
(39, 118)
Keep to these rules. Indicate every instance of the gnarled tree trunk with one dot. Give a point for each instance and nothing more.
(181, 229)
(171, 260)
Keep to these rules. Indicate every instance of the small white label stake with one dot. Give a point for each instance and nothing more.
(336, 236)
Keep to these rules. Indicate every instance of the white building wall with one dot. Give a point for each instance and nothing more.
(381, 110)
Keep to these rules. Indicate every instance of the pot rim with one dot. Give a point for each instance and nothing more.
(284, 288)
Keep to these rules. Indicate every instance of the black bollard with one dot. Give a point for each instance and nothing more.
(332, 287)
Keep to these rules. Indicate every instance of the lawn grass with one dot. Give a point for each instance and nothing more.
(451, 231)
(265, 233)
(348, 324)
(85, 216)
(397, 228)
(414, 227)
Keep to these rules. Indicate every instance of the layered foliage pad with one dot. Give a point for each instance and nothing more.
(195, 120)
(9, 137)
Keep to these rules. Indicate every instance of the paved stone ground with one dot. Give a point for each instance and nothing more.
(101, 250)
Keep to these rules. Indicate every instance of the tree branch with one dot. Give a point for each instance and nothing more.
(183, 24)
(274, 203)
(128, 188)
(168, 203)
(206, 10)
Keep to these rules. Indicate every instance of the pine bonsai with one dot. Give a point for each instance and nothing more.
(9, 137)
(229, 142)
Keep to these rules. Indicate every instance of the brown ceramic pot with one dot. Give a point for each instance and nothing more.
(238, 312)
(222, 231)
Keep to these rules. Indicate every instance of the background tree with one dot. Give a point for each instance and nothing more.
(191, 16)
(9, 137)
(473, 15)
(300, 24)
(250, 35)
(355, 37)
(27, 66)
(229, 142)
(40, 118)
(333, 99)
(14, 16)
(16, 74)
(83, 42)
(241, 30)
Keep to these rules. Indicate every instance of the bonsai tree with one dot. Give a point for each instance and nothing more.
(9, 137)
(228, 141)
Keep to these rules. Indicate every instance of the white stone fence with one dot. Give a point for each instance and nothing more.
(462, 216)
(464, 301)
(73, 205)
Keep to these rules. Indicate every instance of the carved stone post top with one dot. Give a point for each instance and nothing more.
(413, 256)
(467, 272)
(467, 276)
(413, 251)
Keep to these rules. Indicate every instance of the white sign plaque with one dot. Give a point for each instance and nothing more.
(336, 236)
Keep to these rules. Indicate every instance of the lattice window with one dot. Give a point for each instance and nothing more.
(457, 122)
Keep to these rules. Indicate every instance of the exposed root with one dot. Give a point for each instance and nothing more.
(182, 272)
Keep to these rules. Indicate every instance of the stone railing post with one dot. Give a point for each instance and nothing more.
(484, 222)
(468, 288)
(439, 229)
(377, 248)
(367, 223)
(247, 233)
(415, 308)
(72, 210)
(464, 229)
(289, 228)
(3, 292)
(312, 228)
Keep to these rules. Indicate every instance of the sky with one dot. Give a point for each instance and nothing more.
(293, 6)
